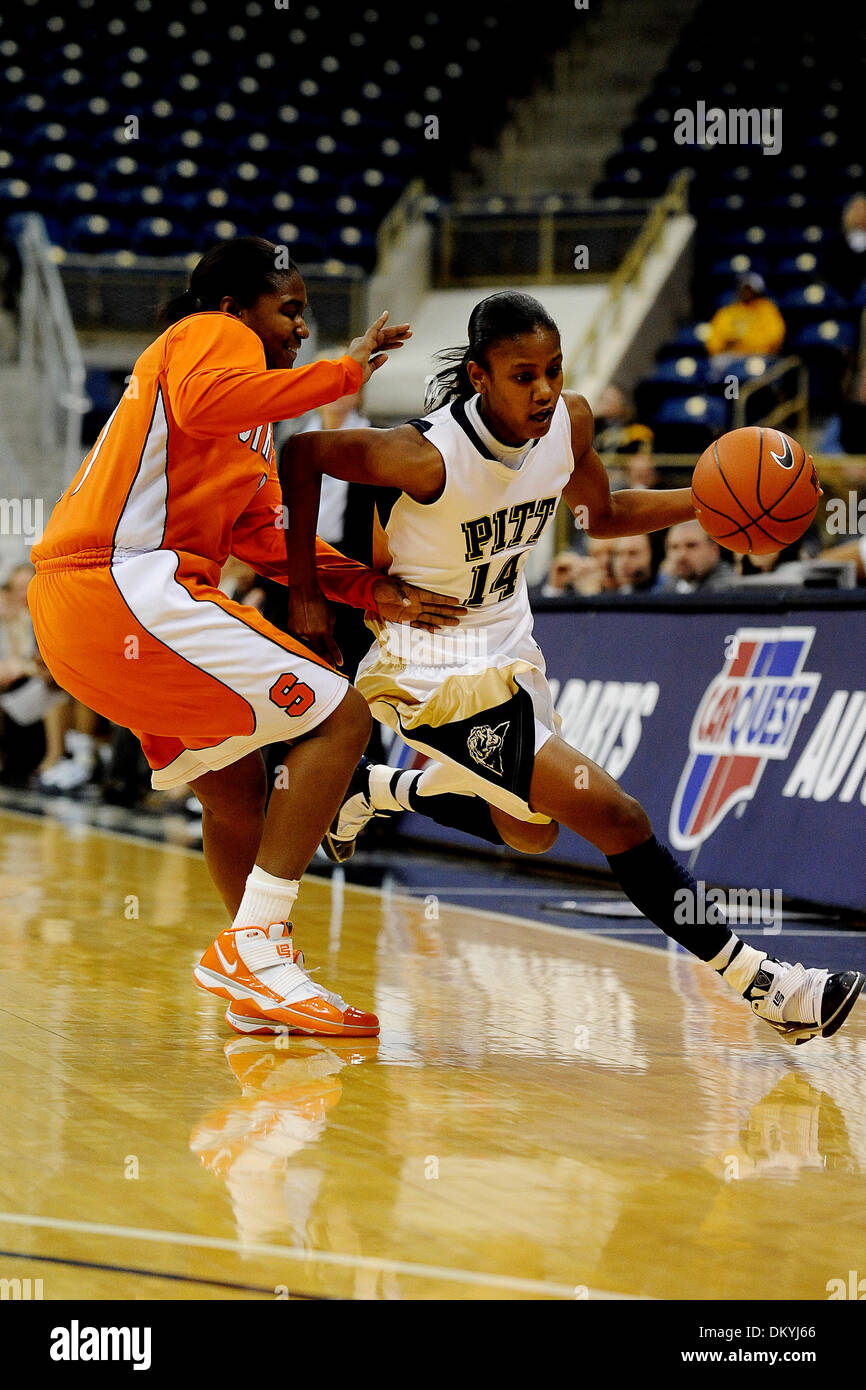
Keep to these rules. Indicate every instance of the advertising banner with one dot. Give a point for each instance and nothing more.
(740, 729)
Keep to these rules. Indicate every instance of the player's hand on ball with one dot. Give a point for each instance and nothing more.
(399, 602)
(380, 339)
(311, 620)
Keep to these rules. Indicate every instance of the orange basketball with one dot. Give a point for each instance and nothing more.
(755, 490)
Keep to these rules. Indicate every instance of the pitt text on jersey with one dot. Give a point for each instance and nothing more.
(492, 530)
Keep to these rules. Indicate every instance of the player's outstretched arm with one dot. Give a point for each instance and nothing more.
(632, 512)
(397, 458)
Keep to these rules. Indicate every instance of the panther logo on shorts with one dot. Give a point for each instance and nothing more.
(485, 745)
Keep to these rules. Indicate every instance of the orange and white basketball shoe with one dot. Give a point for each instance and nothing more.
(261, 974)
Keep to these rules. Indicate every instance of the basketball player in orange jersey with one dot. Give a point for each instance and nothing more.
(480, 476)
(130, 619)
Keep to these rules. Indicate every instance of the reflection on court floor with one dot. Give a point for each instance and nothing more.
(547, 1114)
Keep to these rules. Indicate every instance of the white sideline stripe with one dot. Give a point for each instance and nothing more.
(290, 1252)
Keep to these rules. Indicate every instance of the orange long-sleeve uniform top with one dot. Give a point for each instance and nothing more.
(754, 327)
(186, 462)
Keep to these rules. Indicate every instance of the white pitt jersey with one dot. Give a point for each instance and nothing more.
(473, 541)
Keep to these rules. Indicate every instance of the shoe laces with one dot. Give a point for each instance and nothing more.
(319, 989)
(288, 976)
(354, 815)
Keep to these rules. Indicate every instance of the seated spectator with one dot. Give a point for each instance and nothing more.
(693, 561)
(843, 259)
(126, 781)
(638, 470)
(779, 567)
(75, 737)
(563, 574)
(641, 471)
(849, 552)
(599, 549)
(27, 691)
(45, 732)
(751, 324)
(587, 574)
(616, 430)
(635, 565)
(17, 640)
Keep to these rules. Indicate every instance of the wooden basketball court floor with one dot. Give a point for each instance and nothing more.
(547, 1114)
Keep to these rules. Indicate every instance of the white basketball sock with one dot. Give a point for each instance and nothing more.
(266, 899)
(737, 963)
(389, 788)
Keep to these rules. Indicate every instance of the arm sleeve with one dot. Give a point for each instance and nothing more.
(217, 381)
(259, 539)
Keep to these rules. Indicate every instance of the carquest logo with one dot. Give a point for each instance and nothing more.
(749, 713)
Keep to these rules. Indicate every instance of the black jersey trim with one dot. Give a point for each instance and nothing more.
(458, 411)
(421, 425)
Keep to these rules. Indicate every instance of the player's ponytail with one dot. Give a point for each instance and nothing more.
(506, 314)
(242, 268)
(451, 382)
(179, 308)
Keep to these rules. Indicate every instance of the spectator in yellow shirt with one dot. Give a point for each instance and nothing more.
(751, 324)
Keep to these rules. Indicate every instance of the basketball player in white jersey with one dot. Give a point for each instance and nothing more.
(480, 477)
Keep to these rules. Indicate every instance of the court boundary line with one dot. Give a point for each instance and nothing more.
(372, 1263)
(160, 1274)
(339, 1259)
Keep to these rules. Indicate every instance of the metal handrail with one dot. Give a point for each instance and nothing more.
(49, 343)
(797, 407)
(405, 210)
(673, 201)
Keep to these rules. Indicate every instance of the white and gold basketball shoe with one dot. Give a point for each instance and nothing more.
(801, 1004)
(356, 811)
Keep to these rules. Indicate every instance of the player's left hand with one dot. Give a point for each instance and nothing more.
(399, 602)
(380, 339)
(311, 620)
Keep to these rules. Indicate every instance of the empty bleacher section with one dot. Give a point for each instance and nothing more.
(141, 133)
(135, 130)
(556, 140)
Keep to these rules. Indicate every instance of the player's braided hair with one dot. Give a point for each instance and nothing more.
(505, 314)
(244, 267)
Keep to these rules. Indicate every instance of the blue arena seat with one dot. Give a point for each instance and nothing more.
(704, 410)
(94, 232)
(686, 424)
(827, 348)
(158, 236)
